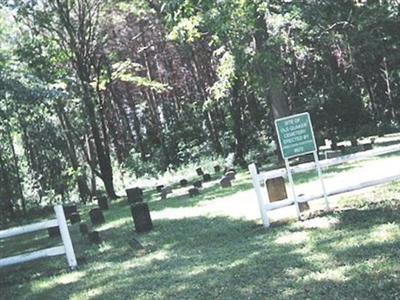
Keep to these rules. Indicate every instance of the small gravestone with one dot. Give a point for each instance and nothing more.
(303, 206)
(159, 188)
(135, 244)
(230, 175)
(134, 195)
(367, 147)
(69, 209)
(198, 184)
(183, 182)
(165, 191)
(94, 237)
(342, 149)
(232, 170)
(102, 202)
(75, 218)
(194, 192)
(141, 217)
(83, 228)
(276, 189)
(333, 154)
(217, 169)
(54, 232)
(199, 171)
(96, 216)
(207, 177)
(225, 182)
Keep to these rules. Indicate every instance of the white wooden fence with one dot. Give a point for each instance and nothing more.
(59, 222)
(262, 195)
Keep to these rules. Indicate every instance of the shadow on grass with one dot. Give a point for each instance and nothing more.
(224, 258)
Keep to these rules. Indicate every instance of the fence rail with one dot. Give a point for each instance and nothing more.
(262, 196)
(66, 248)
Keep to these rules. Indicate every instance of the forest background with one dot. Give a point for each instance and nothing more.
(91, 90)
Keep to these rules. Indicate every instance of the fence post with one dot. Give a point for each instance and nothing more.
(260, 199)
(66, 238)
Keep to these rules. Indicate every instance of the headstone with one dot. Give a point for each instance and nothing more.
(225, 182)
(183, 182)
(134, 195)
(135, 244)
(102, 202)
(232, 170)
(333, 154)
(276, 189)
(94, 237)
(194, 192)
(198, 184)
(217, 169)
(159, 188)
(83, 228)
(54, 232)
(199, 171)
(342, 149)
(367, 147)
(165, 191)
(141, 217)
(207, 177)
(75, 218)
(303, 206)
(230, 175)
(96, 216)
(69, 209)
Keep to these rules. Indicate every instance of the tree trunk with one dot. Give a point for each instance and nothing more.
(84, 191)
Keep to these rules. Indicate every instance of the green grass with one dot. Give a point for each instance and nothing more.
(195, 252)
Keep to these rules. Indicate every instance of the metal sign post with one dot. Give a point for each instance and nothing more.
(294, 195)
(296, 138)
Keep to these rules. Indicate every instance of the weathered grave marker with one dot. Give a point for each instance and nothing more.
(69, 209)
(276, 189)
(231, 170)
(54, 232)
(134, 195)
(231, 175)
(75, 218)
(225, 182)
(96, 216)
(141, 217)
(165, 191)
(367, 147)
(303, 206)
(199, 171)
(183, 182)
(102, 202)
(198, 184)
(194, 192)
(207, 177)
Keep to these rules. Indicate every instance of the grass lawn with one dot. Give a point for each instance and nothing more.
(208, 247)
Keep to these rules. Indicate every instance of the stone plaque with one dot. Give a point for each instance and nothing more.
(276, 189)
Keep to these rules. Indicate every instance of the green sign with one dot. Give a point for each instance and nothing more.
(296, 136)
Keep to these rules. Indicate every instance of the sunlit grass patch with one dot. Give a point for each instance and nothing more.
(213, 247)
